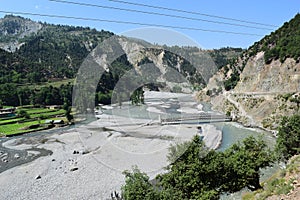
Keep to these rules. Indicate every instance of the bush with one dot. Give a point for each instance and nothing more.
(288, 141)
(23, 113)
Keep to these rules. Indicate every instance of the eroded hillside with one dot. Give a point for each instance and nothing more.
(263, 84)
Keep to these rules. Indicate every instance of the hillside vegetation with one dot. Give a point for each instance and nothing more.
(282, 44)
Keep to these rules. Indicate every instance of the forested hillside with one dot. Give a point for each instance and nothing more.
(54, 51)
(282, 44)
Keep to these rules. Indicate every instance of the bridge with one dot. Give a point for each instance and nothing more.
(202, 117)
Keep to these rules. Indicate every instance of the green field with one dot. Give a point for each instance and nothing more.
(38, 110)
(13, 120)
(48, 114)
(37, 116)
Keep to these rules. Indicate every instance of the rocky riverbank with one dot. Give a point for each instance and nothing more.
(87, 161)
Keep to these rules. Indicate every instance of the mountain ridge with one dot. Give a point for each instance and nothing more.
(56, 52)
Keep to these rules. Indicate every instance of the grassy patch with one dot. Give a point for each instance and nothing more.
(38, 110)
(16, 128)
(8, 121)
(48, 114)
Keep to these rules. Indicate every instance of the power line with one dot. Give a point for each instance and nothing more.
(127, 22)
(156, 13)
(192, 12)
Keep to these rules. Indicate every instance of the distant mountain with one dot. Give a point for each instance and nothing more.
(45, 51)
(262, 84)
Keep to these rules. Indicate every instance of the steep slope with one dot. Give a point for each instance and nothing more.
(263, 84)
(45, 51)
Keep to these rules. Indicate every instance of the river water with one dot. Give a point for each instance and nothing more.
(156, 108)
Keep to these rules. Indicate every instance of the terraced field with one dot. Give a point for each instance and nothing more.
(36, 120)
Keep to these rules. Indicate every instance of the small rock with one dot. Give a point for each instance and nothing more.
(73, 169)
(38, 177)
(17, 156)
(53, 160)
(75, 152)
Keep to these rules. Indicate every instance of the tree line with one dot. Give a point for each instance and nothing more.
(11, 95)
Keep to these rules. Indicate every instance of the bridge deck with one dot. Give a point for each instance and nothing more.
(206, 117)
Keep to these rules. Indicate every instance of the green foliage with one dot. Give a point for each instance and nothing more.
(23, 113)
(145, 60)
(279, 183)
(47, 95)
(223, 55)
(55, 51)
(104, 98)
(176, 89)
(172, 59)
(137, 97)
(232, 81)
(176, 151)
(281, 44)
(288, 141)
(68, 109)
(22, 124)
(246, 160)
(196, 172)
(138, 187)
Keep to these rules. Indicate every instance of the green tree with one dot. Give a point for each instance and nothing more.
(288, 140)
(191, 174)
(68, 109)
(137, 97)
(245, 161)
(196, 172)
(138, 187)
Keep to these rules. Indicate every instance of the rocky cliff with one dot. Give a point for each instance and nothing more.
(13, 28)
(263, 84)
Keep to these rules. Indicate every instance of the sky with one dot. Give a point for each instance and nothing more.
(274, 12)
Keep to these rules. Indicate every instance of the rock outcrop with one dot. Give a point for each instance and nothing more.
(263, 84)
